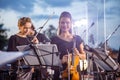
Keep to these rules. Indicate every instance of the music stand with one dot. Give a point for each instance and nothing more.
(42, 55)
(102, 61)
(48, 54)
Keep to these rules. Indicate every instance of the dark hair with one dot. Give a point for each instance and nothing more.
(22, 21)
(67, 15)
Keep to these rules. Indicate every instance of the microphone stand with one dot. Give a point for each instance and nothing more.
(74, 46)
(96, 53)
(40, 28)
(109, 37)
(89, 27)
(34, 47)
(69, 65)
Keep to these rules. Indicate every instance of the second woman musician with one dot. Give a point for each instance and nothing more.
(65, 42)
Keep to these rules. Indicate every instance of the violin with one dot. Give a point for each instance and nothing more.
(71, 72)
(75, 64)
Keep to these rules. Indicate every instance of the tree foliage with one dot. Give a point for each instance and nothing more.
(3, 37)
(51, 31)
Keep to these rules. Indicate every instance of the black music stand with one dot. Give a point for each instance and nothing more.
(42, 55)
(102, 61)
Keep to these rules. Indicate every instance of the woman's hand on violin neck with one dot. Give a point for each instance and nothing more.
(76, 52)
(35, 40)
(72, 67)
(81, 55)
(66, 58)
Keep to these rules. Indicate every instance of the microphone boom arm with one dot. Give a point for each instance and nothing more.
(110, 36)
(40, 28)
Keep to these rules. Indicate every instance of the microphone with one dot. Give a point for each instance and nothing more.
(46, 21)
(40, 27)
(92, 24)
(89, 27)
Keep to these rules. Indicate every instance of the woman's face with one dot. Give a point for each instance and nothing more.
(26, 29)
(65, 24)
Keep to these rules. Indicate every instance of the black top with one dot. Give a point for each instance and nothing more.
(41, 38)
(119, 56)
(63, 45)
(16, 40)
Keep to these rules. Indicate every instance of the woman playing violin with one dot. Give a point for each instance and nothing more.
(65, 42)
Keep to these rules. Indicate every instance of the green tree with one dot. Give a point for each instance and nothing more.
(3, 37)
(51, 31)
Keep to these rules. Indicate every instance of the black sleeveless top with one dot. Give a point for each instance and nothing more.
(16, 40)
(63, 45)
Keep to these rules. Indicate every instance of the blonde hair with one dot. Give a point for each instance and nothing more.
(22, 21)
